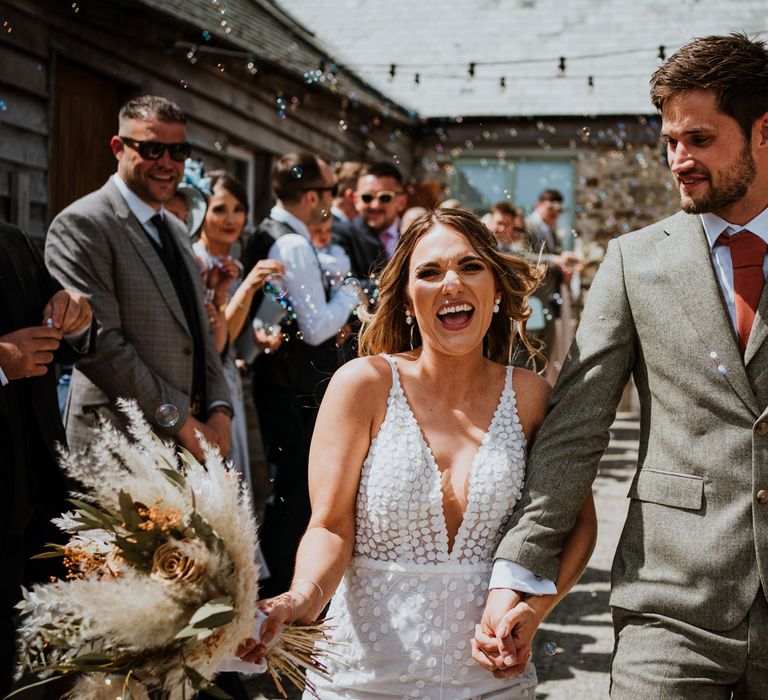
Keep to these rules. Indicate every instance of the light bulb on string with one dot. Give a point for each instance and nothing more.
(417, 79)
(662, 53)
(561, 67)
(392, 71)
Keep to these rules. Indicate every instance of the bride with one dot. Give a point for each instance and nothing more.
(417, 460)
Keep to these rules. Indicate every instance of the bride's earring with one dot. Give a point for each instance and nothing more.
(409, 319)
(412, 327)
(496, 306)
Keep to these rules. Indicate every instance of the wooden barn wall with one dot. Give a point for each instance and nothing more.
(133, 47)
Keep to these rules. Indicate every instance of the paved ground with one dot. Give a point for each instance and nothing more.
(580, 626)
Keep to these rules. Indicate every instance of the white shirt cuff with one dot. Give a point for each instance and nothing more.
(3, 378)
(508, 574)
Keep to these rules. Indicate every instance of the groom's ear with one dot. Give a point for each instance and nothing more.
(762, 128)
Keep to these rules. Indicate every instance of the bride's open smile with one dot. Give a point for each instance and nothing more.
(451, 289)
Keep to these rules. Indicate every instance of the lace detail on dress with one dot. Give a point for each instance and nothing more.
(399, 508)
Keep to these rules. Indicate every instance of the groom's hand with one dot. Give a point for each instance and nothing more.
(497, 646)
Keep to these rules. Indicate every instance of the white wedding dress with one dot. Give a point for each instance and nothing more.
(405, 611)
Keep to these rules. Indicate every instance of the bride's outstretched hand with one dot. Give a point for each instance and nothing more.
(502, 643)
(279, 610)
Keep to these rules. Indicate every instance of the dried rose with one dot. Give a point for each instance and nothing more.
(180, 561)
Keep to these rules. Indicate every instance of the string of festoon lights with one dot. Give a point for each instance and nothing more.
(559, 67)
(421, 70)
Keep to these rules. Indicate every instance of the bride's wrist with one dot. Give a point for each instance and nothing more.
(310, 592)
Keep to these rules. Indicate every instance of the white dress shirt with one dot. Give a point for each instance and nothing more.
(318, 319)
(508, 574)
(139, 208)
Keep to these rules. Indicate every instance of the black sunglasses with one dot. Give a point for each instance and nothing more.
(153, 150)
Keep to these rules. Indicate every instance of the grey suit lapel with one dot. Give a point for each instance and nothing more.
(685, 256)
(138, 238)
(759, 328)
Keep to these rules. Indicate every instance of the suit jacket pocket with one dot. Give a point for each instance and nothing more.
(668, 488)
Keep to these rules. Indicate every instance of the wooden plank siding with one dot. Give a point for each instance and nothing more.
(132, 46)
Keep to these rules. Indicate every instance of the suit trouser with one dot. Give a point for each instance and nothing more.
(660, 658)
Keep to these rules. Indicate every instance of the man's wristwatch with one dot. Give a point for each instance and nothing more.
(221, 408)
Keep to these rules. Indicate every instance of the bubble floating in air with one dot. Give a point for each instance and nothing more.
(351, 287)
(167, 415)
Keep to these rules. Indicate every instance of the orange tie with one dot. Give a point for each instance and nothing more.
(747, 254)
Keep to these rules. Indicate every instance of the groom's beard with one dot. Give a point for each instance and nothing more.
(734, 185)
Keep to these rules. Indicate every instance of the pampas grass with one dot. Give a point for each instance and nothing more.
(164, 580)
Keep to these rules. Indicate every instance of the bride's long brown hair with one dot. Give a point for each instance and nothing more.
(516, 278)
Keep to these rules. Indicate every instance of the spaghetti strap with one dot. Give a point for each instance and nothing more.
(395, 373)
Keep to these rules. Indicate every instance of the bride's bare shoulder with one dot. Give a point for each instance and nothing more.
(367, 377)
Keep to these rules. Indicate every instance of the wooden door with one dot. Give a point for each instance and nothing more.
(85, 118)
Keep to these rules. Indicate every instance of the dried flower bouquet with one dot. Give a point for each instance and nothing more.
(162, 583)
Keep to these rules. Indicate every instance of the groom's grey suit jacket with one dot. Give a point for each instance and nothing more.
(695, 543)
(144, 351)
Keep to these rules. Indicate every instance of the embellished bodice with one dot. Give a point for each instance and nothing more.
(399, 510)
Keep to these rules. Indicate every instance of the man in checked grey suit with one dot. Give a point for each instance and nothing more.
(134, 263)
(679, 308)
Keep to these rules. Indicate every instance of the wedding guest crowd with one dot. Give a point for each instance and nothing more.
(239, 351)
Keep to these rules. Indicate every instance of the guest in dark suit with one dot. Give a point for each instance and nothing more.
(40, 323)
(370, 239)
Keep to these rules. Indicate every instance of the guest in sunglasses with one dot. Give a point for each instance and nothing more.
(119, 247)
(370, 240)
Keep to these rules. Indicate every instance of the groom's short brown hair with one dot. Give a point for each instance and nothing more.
(734, 66)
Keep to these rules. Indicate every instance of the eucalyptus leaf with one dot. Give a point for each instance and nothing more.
(175, 478)
(216, 620)
(214, 607)
(56, 551)
(92, 658)
(93, 511)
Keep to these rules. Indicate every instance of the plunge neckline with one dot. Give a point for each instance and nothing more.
(459, 535)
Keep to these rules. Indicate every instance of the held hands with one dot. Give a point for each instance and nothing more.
(502, 643)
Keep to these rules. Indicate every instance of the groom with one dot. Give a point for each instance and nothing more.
(681, 306)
